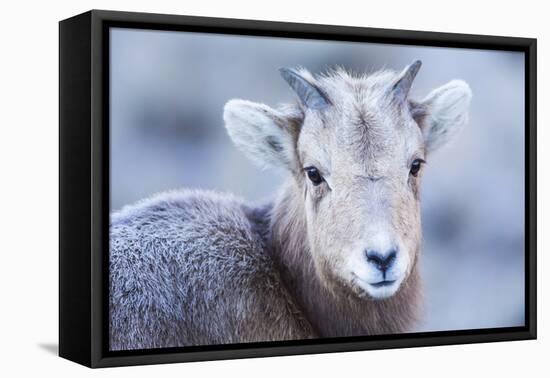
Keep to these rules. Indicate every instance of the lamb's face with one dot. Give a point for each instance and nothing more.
(356, 148)
(361, 171)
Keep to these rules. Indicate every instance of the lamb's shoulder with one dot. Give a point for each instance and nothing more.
(199, 233)
(194, 266)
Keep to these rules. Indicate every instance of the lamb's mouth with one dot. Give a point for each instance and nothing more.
(383, 283)
(376, 285)
(376, 290)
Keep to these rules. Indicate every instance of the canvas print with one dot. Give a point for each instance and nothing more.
(272, 189)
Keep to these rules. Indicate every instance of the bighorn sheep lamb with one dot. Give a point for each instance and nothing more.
(335, 254)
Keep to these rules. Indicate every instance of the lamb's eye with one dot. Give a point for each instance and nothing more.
(314, 175)
(415, 166)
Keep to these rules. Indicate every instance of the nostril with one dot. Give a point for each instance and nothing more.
(391, 257)
(374, 257)
(382, 262)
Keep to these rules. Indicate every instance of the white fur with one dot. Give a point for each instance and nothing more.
(382, 240)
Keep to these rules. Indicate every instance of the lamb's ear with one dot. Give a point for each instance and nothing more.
(446, 113)
(262, 133)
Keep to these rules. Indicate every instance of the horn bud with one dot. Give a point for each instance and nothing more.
(309, 94)
(403, 85)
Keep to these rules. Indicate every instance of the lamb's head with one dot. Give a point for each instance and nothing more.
(356, 147)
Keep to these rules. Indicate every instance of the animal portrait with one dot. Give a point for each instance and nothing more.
(307, 194)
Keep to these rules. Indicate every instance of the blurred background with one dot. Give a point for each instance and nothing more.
(168, 90)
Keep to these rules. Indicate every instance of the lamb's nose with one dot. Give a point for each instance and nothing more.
(382, 261)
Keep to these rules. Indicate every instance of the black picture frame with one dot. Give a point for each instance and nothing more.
(84, 187)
